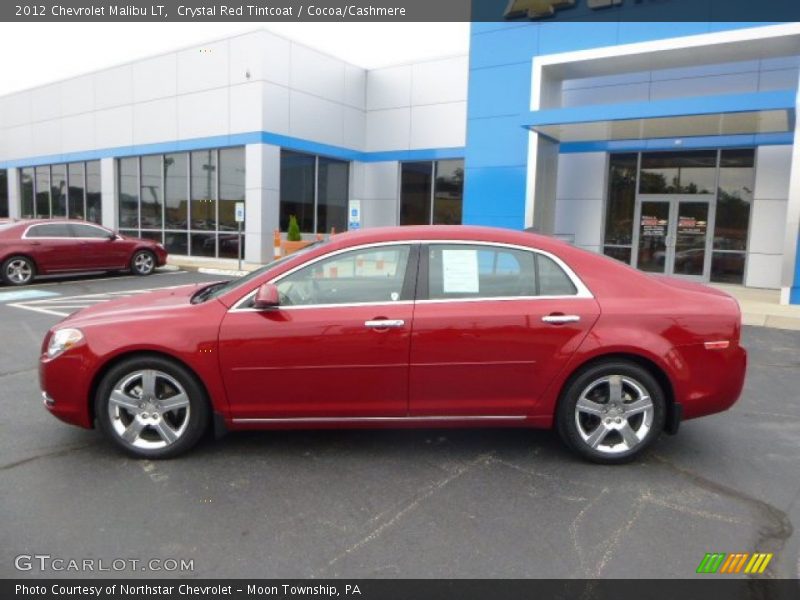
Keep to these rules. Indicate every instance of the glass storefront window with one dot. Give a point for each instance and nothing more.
(231, 191)
(94, 197)
(3, 193)
(58, 183)
(332, 194)
(448, 196)
(620, 206)
(688, 172)
(176, 186)
(174, 198)
(204, 190)
(77, 187)
(416, 179)
(129, 193)
(26, 193)
(736, 180)
(63, 191)
(43, 192)
(314, 189)
(151, 193)
(440, 182)
(298, 173)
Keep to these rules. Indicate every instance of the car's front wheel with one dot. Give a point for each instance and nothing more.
(18, 270)
(611, 411)
(151, 407)
(143, 262)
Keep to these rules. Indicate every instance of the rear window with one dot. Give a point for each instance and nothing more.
(553, 281)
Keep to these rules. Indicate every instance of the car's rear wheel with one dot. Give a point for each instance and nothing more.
(611, 411)
(18, 270)
(151, 407)
(143, 262)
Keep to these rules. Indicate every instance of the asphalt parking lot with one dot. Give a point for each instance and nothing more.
(426, 503)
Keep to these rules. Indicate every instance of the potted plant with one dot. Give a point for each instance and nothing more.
(294, 241)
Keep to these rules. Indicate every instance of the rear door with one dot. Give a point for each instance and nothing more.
(493, 325)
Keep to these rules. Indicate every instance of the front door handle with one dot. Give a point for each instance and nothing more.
(561, 319)
(385, 323)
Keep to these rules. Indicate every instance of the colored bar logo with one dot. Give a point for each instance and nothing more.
(722, 563)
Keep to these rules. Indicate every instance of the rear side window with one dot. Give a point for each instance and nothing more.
(476, 271)
(48, 230)
(466, 271)
(553, 281)
(87, 231)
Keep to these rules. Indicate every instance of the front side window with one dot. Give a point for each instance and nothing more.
(357, 276)
(49, 230)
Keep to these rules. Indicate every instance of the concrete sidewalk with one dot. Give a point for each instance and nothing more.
(761, 308)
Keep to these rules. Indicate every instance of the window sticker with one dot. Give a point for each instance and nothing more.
(460, 270)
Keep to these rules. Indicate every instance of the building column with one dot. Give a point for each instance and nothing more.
(790, 269)
(109, 192)
(262, 200)
(377, 185)
(765, 252)
(14, 196)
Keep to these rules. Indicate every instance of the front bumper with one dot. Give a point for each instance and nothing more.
(65, 381)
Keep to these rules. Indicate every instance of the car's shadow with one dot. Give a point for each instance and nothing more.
(87, 277)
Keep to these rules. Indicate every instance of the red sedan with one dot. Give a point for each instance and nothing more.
(405, 327)
(46, 247)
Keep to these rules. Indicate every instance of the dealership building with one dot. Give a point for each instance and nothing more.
(669, 146)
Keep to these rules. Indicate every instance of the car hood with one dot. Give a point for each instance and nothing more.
(138, 305)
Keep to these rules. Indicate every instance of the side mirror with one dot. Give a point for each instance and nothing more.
(111, 236)
(267, 297)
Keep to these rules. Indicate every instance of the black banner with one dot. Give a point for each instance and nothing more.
(401, 10)
(406, 589)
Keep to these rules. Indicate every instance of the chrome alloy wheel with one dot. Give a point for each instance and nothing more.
(19, 271)
(614, 414)
(149, 409)
(143, 263)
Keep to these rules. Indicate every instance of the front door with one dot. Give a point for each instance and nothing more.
(674, 236)
(336, 347)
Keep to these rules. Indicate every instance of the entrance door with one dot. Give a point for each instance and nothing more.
(673, 236)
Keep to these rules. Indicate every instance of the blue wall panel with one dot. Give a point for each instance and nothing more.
(494, 192)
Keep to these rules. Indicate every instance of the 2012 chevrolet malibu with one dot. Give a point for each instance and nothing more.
(405, 327)
(34, 247)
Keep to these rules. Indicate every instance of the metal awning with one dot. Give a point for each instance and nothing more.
(731, 114)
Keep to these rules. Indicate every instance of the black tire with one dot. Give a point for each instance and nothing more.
(613, 447)
(18, 270)
(172, 376)
(143, 263)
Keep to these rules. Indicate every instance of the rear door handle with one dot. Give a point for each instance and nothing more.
(561, 319)
(385, 323)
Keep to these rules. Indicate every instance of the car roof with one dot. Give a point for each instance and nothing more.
(447, 232)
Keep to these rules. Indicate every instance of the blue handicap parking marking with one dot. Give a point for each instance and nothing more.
(18, 295)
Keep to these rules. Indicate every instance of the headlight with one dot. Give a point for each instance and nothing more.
(63, 340)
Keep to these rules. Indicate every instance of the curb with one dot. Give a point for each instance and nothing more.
(226, 272)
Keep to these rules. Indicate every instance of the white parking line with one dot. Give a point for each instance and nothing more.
(57, 306)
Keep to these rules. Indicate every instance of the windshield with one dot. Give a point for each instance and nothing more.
(218, 289)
